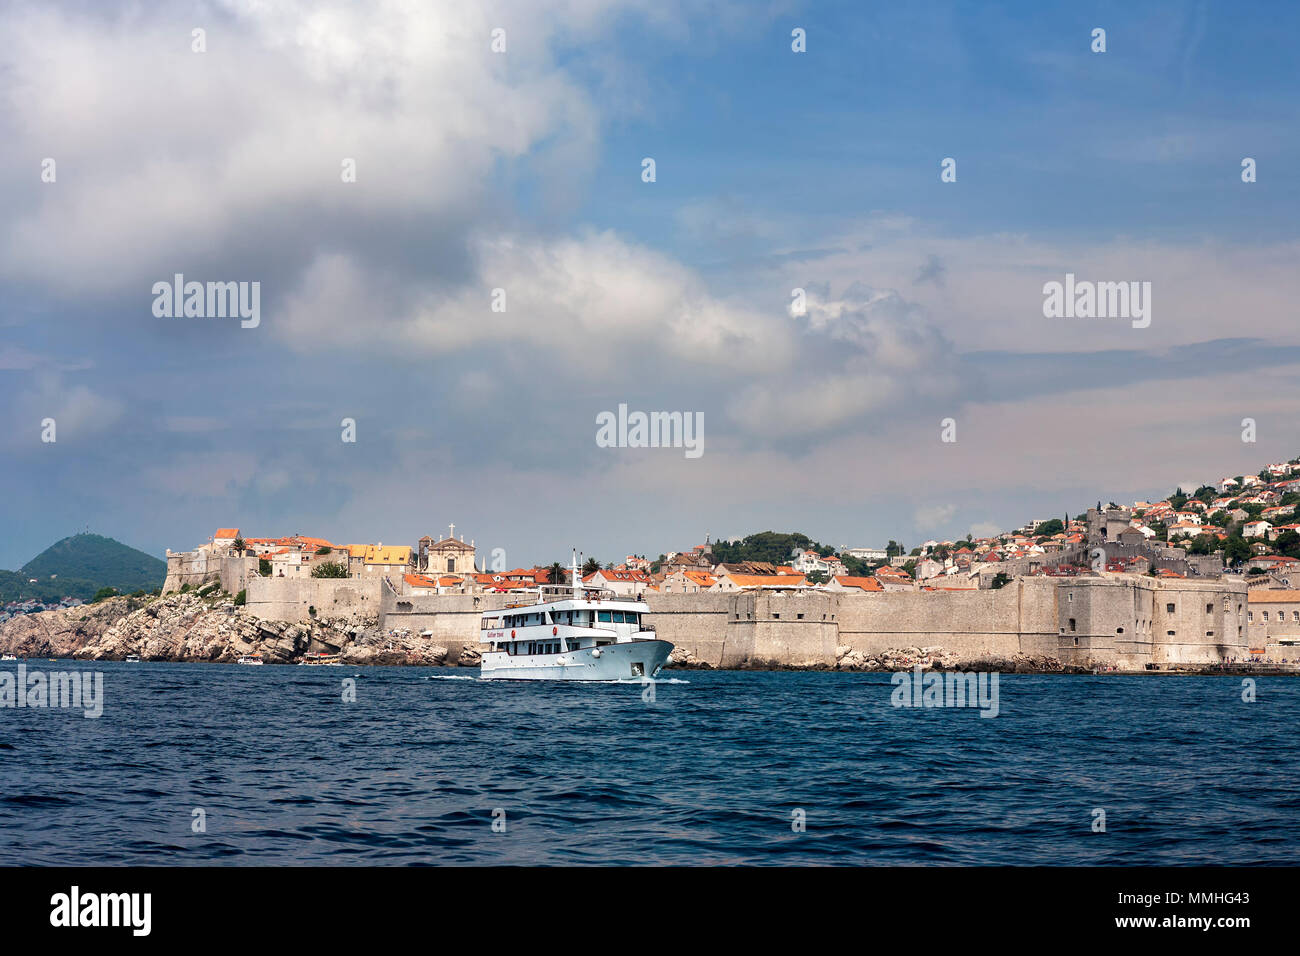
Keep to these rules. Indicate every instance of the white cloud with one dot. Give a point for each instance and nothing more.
(991, 296)
(930, 517)
(593, 295)
(78, 412)
(858, 353)
(168, 157)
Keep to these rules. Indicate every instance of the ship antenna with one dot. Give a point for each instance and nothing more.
(576, 580)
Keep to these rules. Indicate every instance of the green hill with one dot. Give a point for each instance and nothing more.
(80, 566)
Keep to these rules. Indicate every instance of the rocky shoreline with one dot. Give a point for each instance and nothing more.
(207, 626)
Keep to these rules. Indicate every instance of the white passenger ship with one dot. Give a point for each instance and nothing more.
(558, 633)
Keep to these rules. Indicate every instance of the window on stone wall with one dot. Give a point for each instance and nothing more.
(1209, 609)
(1072, 627)
(1169, 608)
(1119, 630)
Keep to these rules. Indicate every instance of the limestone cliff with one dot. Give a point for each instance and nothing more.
(188, 627)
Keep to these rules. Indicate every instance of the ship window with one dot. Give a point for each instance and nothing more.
(604, 616)
(618, 617)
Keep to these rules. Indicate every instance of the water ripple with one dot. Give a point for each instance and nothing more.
(193, 764)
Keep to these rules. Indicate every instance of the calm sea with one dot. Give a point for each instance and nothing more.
(714, 770)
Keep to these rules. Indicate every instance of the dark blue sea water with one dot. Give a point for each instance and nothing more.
(709, 773)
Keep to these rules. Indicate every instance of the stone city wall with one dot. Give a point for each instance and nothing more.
(1108, 620)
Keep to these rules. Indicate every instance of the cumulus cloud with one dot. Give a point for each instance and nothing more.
(930, 517)
(79, 412)
(171, 159)
(860, 352)
(593, 294)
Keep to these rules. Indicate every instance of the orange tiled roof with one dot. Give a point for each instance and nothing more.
(864, 584)
(703, 578)
(760, 580)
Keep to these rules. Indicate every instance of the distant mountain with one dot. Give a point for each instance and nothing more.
(79, 566)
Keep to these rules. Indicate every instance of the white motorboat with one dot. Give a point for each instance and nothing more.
(578, 633)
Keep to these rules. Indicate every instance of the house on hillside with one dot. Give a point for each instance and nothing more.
(687, 581)
(622, 583)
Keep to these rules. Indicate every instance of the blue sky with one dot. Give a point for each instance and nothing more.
(521, 170)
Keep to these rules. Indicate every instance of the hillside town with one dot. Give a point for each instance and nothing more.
(1240, 528)
(1243, 525)
(32, 606)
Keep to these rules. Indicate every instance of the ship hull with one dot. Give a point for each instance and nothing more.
(633, 660)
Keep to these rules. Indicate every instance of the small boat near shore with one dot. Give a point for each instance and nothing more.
(131, 659)
(253, 660)
(322, 659)
(577, 634)
(8, 657)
